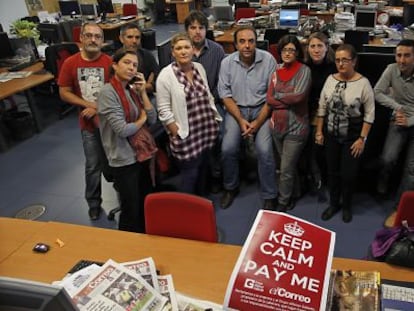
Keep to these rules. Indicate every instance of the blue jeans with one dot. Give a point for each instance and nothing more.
(193, 174)
(230, 149)
(395, 141)
(289, 149)
(93, 168)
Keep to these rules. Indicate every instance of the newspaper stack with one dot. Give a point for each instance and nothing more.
(131, 286)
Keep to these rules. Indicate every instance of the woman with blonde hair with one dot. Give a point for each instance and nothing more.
(187, 110)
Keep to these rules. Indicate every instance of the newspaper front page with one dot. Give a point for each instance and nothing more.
(116, 288)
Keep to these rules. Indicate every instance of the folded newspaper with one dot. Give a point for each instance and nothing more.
(132, 285)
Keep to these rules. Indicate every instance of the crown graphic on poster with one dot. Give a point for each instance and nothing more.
(294, 229)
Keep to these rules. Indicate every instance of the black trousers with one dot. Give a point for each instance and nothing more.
(342, 171)
(133, 182)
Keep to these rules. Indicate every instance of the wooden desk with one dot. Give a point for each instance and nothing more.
(111, 30)
(25, 85)
(199, 269)
(183, 8)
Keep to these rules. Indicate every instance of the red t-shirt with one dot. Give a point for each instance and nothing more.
(86, 78)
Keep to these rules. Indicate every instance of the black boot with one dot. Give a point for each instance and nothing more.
(329, 212)
(346, 214)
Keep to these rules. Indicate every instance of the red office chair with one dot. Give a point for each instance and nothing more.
(245, 13)
(405, 210)
(129, 9)
(180, 215)
(76, 30)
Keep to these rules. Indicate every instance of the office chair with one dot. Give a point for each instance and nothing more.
(180, 215)
(262, 44)
(238, 5)
(357, 38)
(55, 55)
(245, 13)
(129, 9)
(210, 34)
(76, 31)
(405, 210)
(274, 35)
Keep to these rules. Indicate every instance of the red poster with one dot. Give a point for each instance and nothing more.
(284, 264)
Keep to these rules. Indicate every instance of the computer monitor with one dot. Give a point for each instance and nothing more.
(68, 8)
(88, 10)
(289, 18)
(223, 13)
(105, 7)
(6, 50)
(365, 19)
(25, 46)
(25, 295)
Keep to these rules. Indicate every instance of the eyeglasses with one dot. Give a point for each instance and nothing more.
(288, 50)
(89, 36)
(344, 61)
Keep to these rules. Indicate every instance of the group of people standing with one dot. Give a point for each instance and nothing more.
(210, 104)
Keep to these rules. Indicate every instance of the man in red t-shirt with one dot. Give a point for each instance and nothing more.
(80, 80)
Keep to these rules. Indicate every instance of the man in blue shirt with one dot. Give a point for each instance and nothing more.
(209, 54)
(243, 81)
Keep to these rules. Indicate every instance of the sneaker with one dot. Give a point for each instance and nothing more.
(94, 213)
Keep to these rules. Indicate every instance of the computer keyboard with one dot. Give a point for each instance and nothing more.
(23, 65)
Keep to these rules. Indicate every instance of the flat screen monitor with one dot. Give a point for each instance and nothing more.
(88, 10)
(289, 18)
(24, 295)
(105, 7)
(365, 20)
(6, 50)
(68, 8)
(25, 46)
(223, 13)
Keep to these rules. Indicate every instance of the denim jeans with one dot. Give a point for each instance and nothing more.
(289, 148)
(395, 141)
(230, 149)
(193, 174)
(93, 167)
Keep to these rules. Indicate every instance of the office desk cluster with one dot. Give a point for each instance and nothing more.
(199, 269)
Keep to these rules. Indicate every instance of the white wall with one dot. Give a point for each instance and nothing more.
(10, 10)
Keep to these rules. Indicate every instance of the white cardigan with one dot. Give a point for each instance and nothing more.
(171, 103)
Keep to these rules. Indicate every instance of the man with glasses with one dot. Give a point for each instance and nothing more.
(400, 78)
(80, 80)
(243, 82)
(130, 37)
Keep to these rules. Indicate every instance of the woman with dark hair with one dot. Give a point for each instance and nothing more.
(187, 110)
(123, 108)
(320, 58)
(347, 110)
(288, 96)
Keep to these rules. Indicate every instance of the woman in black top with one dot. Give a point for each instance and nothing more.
(320, 58)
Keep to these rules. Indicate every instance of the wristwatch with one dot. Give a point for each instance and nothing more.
(364, 138)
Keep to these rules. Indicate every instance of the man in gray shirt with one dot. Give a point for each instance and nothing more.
(400, 77)
(243, 81)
